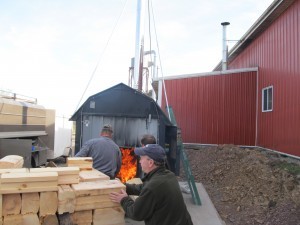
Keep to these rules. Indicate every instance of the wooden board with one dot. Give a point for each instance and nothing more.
(84, 163)
(28, 182)
(66, 199)
(28, 190)
(48, 203)
(82, 217)
(97, 187)
(28, 187)
(30, 203)
(13, 220)
(94, 202)
(68, 179)
(108, 216)
(92, 175)
(11, 204)
(59, 170)
(11, 161)
(30, 219)
(14, 170)
(28, 177)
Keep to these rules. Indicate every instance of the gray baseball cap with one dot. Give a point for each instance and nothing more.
(154, 151)
(107, 128)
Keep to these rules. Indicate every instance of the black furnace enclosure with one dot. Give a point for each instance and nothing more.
(131, 114)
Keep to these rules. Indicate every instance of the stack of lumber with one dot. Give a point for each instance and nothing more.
(93, 199)
(11, 161)
(29, 208)
(56, 196)
(95, 195)
(84, 163)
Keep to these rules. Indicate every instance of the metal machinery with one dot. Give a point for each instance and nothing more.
(131, 114)
(26, 129)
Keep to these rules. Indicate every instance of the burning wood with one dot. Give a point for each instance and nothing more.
(129, 165)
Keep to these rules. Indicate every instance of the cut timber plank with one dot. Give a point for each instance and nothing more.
(92, 175)
(14, 170)
(28, 182)
(84, 163)
(97, 187)
(68, 179)
(28, 185)
(11, 204)
(30, 219)
(49, 220)
(59, 170)
(28, 177)
(94, 202)
(48, 203)
(13, 220)
(66, 175)
(82, 217)
(11, 161)
(66, 199)
(28, 190)
(30, 203)
(108, 216)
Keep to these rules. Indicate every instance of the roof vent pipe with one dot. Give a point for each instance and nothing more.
(224, 58)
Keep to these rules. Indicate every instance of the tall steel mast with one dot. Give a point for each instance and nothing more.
(139, 47)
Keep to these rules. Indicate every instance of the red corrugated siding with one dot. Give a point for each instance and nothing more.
(215, 109)
(277, 52)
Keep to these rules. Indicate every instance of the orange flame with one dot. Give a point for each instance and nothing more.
(129, 165)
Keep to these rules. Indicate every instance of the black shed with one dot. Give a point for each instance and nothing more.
(131, 114)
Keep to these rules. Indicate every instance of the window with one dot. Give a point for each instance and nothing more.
(92, 104)
(267, 99)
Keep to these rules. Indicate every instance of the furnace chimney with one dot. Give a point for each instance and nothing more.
(225, 52)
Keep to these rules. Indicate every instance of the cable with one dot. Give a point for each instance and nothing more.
(101, 56)
(166, 97)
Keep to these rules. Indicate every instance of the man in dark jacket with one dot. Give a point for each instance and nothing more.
(160, 200)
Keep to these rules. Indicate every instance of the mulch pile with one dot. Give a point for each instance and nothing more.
(248, 186)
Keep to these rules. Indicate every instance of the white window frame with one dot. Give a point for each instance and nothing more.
(269, 104)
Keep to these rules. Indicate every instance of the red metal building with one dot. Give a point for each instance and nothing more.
(255, 102)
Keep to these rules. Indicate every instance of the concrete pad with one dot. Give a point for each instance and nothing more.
(205, 214)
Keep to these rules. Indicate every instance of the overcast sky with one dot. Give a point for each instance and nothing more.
(50, 48)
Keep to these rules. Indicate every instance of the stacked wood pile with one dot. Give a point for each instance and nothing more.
(58, 196)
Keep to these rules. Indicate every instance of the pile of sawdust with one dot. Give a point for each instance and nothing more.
(247, 186)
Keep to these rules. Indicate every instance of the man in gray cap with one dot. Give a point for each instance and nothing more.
(104, 151)
(160, 200)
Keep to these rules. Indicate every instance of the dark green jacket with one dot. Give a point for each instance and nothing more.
(160, 200)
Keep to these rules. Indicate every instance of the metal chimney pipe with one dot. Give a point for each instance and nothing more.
(138, 42)
(224, 58)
